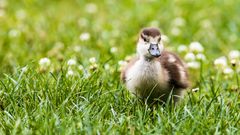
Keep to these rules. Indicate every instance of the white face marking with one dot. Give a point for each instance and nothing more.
(142, 46)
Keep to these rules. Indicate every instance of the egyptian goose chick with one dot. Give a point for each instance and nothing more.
(155, 74)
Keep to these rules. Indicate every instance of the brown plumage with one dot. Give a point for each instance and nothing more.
(173, 70)
(153, 32)
(154, 77)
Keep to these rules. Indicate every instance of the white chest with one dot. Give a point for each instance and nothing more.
(144, 76)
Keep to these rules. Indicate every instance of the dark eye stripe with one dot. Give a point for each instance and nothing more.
(144, 38)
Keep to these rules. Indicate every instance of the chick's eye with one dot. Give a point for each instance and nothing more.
(159, 39)
(145, 40)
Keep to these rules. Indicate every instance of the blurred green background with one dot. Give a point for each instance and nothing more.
(32, 29)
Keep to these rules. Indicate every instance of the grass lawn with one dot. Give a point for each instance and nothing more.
(60, 63)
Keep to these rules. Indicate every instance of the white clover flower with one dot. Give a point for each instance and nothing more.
(91, 8)
(234, 54)
(190, 57)
(179, 21)
(106, 66)
(21, 14)
(80, 67)
(196, 47)
(165, 39)
(175, 31)
(83, 22)
(228, 71)
(3, 3)
(220, 62)
(2, 13)
(77, 48)
(233, 62)
(193, 65)
(44, 62)
(94, 66)
(182, 48)
(71, 62)
(84, 36)
(201, 56)
(69, 73)
(113, 49)
(14, 33)
(92, 60)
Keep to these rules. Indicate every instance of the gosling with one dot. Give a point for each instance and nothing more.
(155, 75)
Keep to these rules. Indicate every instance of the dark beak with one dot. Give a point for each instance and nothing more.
(154, 50)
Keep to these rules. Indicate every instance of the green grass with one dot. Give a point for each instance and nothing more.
(95, 101)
